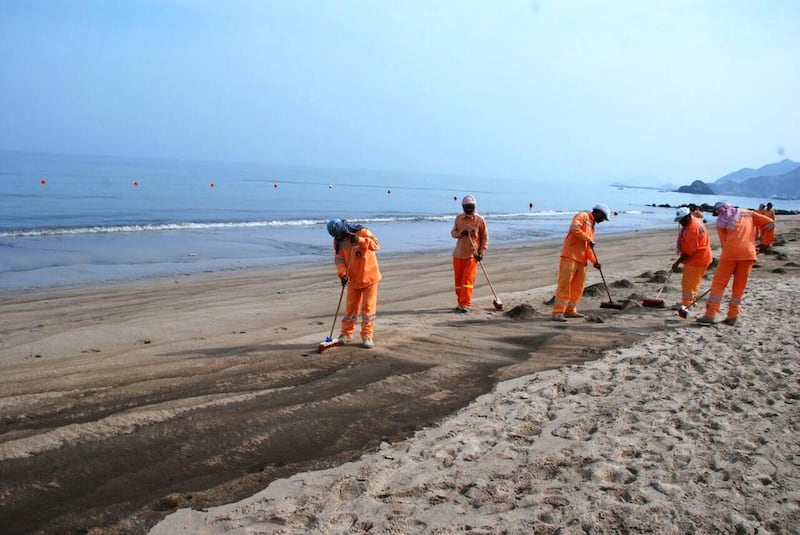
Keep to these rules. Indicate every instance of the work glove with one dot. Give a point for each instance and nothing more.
(675, 267)
(353, 239)
(762, 248)
(478, 257)
(344, 281)
(465, 232)
(597, 265)
(591, 244)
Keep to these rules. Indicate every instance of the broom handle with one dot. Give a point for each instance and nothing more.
(610, 300)
(337, 312)
(474, 250)
(665, 284)
(698, 298)
(487, 280)
(341, 294)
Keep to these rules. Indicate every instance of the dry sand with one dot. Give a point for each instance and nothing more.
(120, 405)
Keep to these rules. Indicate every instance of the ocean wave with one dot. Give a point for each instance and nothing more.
(206, 225)
(149, 227)
(290, 223)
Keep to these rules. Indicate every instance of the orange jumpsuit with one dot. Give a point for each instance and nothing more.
(465, 265)
(693, 241)
(575, 254)
(356, 260)
(737, 259)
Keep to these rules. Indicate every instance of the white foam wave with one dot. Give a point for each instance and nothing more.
(223, 225)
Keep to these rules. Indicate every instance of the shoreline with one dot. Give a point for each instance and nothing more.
(201, 390)
(284, 268)
(89, 276)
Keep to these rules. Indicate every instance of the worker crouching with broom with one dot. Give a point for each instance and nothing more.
(357, 266)
(576, 253)
(737, 235)
(694, 249)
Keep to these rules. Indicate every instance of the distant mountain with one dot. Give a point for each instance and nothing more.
(783, 186)
(777, 180)
(697, 187)
(774, 169)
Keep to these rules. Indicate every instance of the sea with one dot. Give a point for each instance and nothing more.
(71, 220)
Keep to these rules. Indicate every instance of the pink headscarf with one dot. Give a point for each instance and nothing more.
(727, 215)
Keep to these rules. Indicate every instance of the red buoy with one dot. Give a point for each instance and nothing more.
(212, 184)
(43, 181)
(135, 183)
(275, 186)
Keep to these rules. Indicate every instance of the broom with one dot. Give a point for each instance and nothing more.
(498, 305)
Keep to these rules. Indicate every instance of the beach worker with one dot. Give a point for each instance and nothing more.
(762, 208)
(696, 211)
(576, 253)
(694, 248)
(469, 229)
(769, 211)
(736, 228)
(356, 263)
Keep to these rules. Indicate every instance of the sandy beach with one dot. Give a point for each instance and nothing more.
(158, 405)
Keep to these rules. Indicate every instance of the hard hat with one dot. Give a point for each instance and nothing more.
(468, 199)
(681, 213)
(603, 208)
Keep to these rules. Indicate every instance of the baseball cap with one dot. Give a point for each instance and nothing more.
(603, 208)
(681, 213)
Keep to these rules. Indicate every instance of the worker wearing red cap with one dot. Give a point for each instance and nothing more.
(577, 251)
(736, 229)
(473, 239)
(356, 263)
(694, 249)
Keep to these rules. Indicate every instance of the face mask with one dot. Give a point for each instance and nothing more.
(469, 209)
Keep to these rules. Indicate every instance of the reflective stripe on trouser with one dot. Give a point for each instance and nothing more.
(464, 270)
(690, 282)
(740, 270)
(571, 277)
(361, 303)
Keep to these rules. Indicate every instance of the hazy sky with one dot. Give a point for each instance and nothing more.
(638, 91)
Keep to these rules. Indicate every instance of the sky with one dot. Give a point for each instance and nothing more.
(640, 92)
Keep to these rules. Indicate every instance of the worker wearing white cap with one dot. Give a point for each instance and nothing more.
(577, 252)
(473, 239)
(694, 249)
